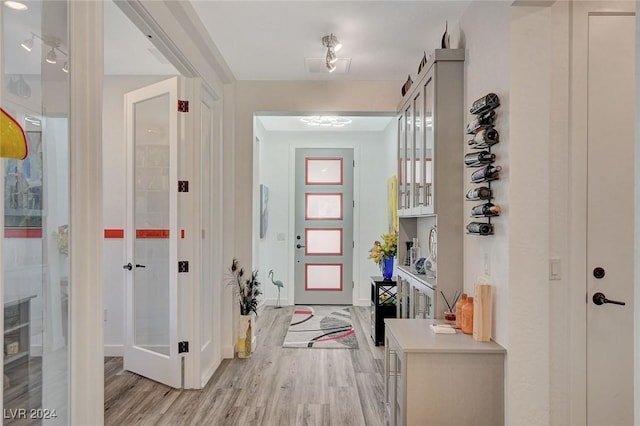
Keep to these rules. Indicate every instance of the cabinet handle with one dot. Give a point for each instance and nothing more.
(427, 194)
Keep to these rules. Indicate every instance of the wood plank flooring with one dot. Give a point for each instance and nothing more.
(276, 386)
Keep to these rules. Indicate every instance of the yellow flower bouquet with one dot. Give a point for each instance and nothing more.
(385, 249)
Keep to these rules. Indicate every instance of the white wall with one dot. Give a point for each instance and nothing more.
(370, 214)
(115, 213)
(485, 35)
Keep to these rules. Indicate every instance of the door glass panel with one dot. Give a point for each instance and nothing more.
(323, 241)
(324, 171)
(323, 277)
(35, 94)
(323, 206)
(151, 221)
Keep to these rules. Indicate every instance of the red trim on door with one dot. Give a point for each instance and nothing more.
(306, 170)
(306, 239)
(114, 233)
(152, 233)
(23, 232)
(306, 205)
(306, 276)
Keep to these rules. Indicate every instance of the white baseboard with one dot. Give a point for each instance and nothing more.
(228, 352)
(113, 350)
(363, 302)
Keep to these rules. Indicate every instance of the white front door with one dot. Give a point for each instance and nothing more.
(324, 226)
(151, 347)
(610, 218)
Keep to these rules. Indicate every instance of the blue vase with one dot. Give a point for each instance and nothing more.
(387, 268)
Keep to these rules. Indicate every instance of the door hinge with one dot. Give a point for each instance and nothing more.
(183, 186)
(183, 347)
(352, 284)
(183, 266)
(354, 204)
(354, 163)
(183, 106)
(353, 244)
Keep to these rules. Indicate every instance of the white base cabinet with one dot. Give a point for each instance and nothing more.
(441, 379)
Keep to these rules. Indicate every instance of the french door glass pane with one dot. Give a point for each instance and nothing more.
(151, 220)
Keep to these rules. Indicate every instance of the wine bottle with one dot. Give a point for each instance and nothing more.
(479, 159)
(483, 121)
(484, 139)
(486, 210)
(481, 193)
(486, 174)
(480, 228)
(485, 104)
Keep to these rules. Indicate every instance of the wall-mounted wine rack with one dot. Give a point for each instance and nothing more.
(484, 136)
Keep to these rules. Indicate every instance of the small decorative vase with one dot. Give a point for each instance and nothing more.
(245, 336)
(387, 268)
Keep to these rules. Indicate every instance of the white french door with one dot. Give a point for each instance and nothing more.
(151, 347)
(324, 226)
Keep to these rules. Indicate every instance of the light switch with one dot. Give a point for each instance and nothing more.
(281, 236)
(555, 269)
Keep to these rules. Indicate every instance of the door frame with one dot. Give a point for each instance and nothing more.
(577, 204)
(355, 272)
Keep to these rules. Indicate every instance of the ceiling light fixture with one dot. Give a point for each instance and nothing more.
(15, 5)
(326, 120)
(333, 45)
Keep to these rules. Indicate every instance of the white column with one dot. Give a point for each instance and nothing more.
(86, 72)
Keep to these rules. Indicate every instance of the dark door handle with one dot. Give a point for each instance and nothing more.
(299, 246)
(140, 266)
(601, 299)
(128, 266)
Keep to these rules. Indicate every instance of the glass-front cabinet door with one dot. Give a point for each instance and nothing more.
(409, 174)
(426, 159)
(402, 155)
(417, 197)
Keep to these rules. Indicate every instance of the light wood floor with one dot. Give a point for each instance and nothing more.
(276, 386)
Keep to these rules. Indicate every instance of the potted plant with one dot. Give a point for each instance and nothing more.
(247, 289)
(383, 253)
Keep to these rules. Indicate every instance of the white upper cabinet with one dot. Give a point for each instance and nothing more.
(430, 135)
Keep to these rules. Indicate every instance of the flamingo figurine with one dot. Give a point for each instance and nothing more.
(278, 284)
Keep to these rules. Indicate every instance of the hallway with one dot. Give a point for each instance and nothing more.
(276, 386)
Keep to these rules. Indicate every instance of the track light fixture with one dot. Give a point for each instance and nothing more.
(53, 44)
(333, 45)
(27, 44)
(52, 58)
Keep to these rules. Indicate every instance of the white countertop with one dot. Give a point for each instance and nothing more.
(427, 280)
(416, 335)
